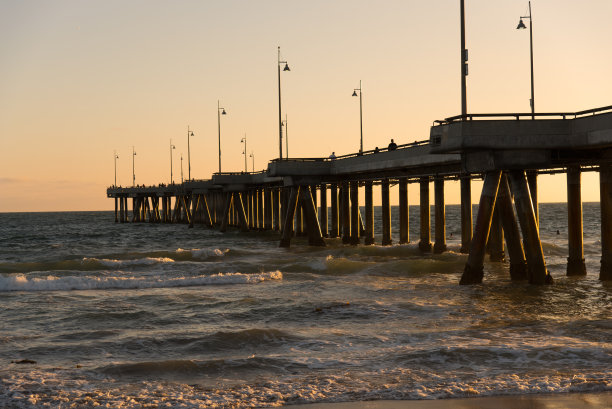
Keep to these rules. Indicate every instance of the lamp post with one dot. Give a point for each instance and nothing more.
(244, 140)
(252, 155)
(284, 123)
(133, 173)
(181, 168)
(220, 111)
(115, 157)
(521, 25)
(189, 133)
(171, 148)
(360, 116)
(280, 121)
(464, 65)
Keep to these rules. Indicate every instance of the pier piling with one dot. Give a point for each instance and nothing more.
(386, 213)
(440, 215)
(425, 216)
(526, 214)
(473, 272)
(575, 259)
(605, 191)
(403, 211)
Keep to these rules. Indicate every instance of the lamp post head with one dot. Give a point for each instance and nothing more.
(521, 25)
(286, 67)
(354, 93)
(191, 134)
(223, 112)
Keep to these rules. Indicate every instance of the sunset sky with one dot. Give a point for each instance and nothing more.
(81, 79)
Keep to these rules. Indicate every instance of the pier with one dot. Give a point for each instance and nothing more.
(507, 151)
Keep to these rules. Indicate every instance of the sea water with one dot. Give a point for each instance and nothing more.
(95, 313)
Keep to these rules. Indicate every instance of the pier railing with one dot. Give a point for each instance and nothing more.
(356, 154)
(525, 115)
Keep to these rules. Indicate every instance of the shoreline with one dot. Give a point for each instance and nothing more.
(571, 400)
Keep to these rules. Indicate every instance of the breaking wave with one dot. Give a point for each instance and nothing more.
(20, 282)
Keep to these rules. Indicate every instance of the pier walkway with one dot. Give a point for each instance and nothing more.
(507, 150)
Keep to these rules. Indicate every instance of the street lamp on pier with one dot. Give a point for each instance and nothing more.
(244, 140)
(252, 155)
(464, 59)
(521, 25)
(189, 133)
(360, 116)
(172, 147)
(181, 168)
(220, 111)
(280, 120)
(115, 157)
(133, 173)
(284, 123)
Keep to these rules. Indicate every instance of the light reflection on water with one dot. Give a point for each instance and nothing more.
(160, 312)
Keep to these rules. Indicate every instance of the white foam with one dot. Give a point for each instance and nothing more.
(59, 387)
(147, 261)
(205, 252)
(21, 282)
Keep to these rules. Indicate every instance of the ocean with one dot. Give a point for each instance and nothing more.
(99, 314)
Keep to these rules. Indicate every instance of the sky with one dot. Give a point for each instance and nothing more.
(80, 80)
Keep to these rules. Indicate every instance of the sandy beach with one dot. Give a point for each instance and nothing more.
(557, 401)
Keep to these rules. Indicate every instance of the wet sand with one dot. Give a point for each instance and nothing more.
(556, 401)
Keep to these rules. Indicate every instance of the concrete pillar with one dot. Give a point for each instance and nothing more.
(440, 214)
(299, 219)
(252, 205)
(147, 209)
(286, 193)
(575, 259)
(605, 192)
(307, 195)
(335, 227)
(404, 211)
(163, 211)
(354, 192)
(225, 219)
(289, 215)
(323, 210)
(267, 202)
(466, 213)
(495, 245)
(121, 210)
(386, 213)
(474, 267)
(529, 226)
(260, 208)
(425, 217)
(532, 180)
(503, 205)
(346, 213)
(125, 209)
(369, 213)
(241, 212)
(194, 204)
(276, 209)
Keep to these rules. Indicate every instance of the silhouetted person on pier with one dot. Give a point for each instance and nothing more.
(332, 156)
(392, 146)
(376, 150)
